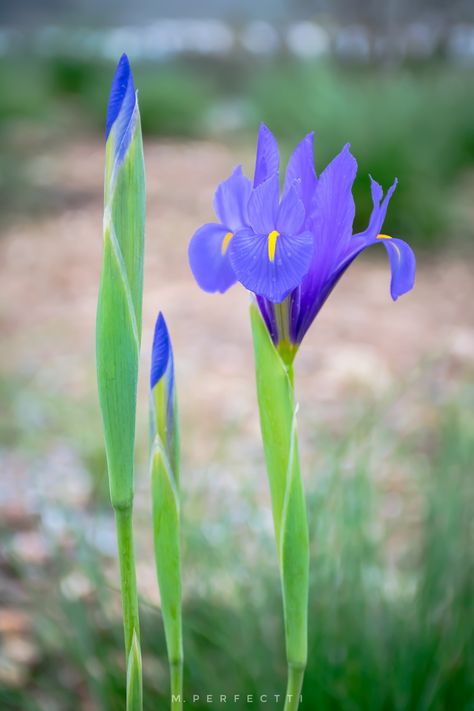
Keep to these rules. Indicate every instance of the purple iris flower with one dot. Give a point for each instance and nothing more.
(291, 253)
(209, 247)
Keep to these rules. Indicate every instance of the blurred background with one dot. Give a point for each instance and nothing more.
(386, 390)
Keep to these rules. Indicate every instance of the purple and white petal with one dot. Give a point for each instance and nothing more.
(267, 160)
(291, 214)
(209, 258)
(263, 205)
(301, 169)
(272, 279)
(231, 200)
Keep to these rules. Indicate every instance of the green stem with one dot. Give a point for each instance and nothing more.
(176, 672)
(123, 523)
(294, 686)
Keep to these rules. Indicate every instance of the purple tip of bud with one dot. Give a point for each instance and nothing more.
(122, 94)
(161, 353)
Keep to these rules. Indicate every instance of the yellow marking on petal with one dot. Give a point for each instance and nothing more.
(383, 237)
(272, 243)
(225, 242)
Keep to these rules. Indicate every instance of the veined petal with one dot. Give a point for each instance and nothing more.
(301, 169)
(273, 279)
(263, 205)
(379, 210)
(334, 207)
(267, 161)
(291, 213)
(209, 258)
(231, 200)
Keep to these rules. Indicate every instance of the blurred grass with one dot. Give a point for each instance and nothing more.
(414, 122)
(387, 632)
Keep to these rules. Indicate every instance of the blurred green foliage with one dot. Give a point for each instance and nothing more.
(386, 633)
(413, 122)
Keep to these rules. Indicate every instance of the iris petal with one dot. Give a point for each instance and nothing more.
(161, 351)
(209, 262)
(263, 205)
(402, 264)
(267, 161)
(231, 199)
(379, 210)
(334, 207)
(122, 89)
(291, 213)
(301, 169)
(271, 279)
(122, 111)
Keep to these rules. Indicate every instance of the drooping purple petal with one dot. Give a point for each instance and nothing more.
(273, 279)
(231, 200)
(301, 169)
(267, 160)
(263, 205)
(379, 210)
(291, 213)
(402, 264)
(209, 258)
(161, 353)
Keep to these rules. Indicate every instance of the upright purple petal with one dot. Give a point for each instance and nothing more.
(161, 354)
(122, 111)
(162, 384)
(331, 221)
(122, 92)
(209, 258)
(291, 214)
(334, 209)
(231, 200)
(379, 210)
(263, 205)
(267, 161)
(301, 169)
(271, 278)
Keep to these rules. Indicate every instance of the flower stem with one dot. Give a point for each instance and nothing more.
(176, 671)
(123, 523)
(293, 689)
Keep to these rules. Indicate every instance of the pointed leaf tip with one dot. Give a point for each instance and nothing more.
(161, 351)
(122, 93)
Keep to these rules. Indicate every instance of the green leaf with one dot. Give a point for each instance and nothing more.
(279, 433)
(134, 677)
(119, 315)
(166, 533)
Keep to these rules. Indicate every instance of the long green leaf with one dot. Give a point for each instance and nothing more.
(278, 424)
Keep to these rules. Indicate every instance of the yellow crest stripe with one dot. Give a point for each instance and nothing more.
(225, 242)
(272, 243)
